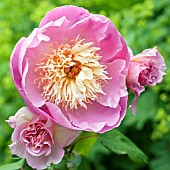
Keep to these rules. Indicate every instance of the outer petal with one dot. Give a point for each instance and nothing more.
(14, 62)
(23, 115)
(59, 116)
(65, 136)
(72, 13)
(56, 30)
(37, 162)
(30, 88)
(95, 118)
(56, 154)
(123, 104)
(112, 45)
(17, 148)
(133, 84)
(86, 28)
(123, 54)
(115, 88)
(42, 162)
(31, 41)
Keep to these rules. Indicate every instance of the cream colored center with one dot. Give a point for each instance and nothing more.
(72, 74)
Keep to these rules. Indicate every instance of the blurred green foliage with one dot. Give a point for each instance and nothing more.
(144, 24)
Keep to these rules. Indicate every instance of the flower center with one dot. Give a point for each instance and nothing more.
(71, 74)
(35, 133)
(149, 75)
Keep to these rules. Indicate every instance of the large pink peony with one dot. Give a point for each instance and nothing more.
(38, 139)
(145, 69)
(74, 66)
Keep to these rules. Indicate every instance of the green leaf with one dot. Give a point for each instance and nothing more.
(26, 166)
(15, 157)
(97, 149)
(85, 142)
(161, 159)
(146, 110)
(60, 166)
(120, 144)
(67, 163)
(13, 166)
(74, 163)
(85, 164)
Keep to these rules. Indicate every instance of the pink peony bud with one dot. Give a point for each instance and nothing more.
(146, 69)
(38, 139)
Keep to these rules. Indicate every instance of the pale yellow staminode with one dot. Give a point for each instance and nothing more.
(71, 75)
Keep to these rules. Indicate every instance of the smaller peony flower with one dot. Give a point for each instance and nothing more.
(146, 69)
(38, 139)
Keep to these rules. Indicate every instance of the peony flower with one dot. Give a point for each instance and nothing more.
(145, 69)
(38, 139)
(74, 66)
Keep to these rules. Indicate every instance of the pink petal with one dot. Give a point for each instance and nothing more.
(37, 162)
(95, 117)
(56, 154)
(105, 33)
(123, 104)
(86, 28)
(31, 41)
(23, 115)
(17, 148)
(116, 87)
(15, 62)
(111, 44)
(133, 84)
(122, 54)
(31, 90)
(58, 116)
(42, 162)
(65, 136)
(56, 30)
(72, 13)
(16, 134)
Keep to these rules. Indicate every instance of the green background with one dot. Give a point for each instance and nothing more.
(144, 24)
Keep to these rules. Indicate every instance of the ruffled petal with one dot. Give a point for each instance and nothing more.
(23, 115)
(42, 162)
(115, 88)
(72, 13)
(95, 117)
(123, 104)
(133, 84)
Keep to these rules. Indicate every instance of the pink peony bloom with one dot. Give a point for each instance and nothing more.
(74, 66)
(145, 69)
(38, 139)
